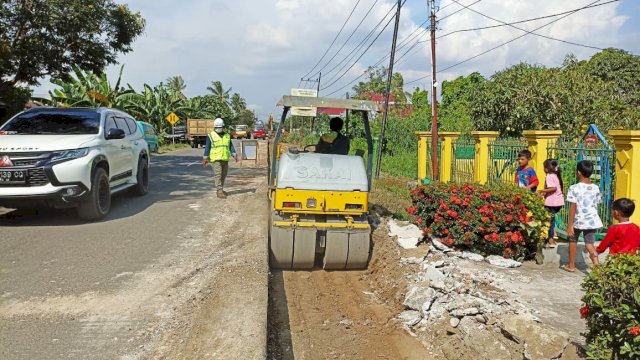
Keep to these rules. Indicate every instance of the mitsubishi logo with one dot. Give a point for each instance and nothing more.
(5, 161)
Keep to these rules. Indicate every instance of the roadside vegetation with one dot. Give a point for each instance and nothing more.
(612, 308)
(169, 147)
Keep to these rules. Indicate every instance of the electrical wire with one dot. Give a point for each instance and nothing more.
(507, 42)
(345, 61)
(506, 24)
(529, 32)
(520, 21)
(334, 39)
(347, 40)
(361, 55)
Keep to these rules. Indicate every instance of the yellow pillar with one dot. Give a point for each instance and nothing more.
(481, 161)
(446, 157)
(627, 143)
(538, 141)
(423, 139)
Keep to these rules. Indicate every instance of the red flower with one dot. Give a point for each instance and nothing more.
(509, 218)
(422, 196)
(634, 330)
(584, 311)
(495, 237)
(412, 210)
(485, 219)
(419, 221)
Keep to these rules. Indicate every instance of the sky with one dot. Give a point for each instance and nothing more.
(262, 48)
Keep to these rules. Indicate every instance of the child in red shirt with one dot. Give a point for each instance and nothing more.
(623, 238)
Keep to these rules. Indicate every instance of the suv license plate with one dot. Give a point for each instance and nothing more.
(13, 177)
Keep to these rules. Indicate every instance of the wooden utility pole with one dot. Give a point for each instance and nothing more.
(434, 97)
(388, 94)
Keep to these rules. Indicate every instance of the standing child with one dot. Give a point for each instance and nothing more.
(583, 214)
(525, 175)
(623, 238)
(553, 195)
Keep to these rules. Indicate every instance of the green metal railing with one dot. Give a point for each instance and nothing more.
(569, 153)
(463, 158)
(503, 156)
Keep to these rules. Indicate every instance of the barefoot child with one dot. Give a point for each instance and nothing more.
(584, 198)
(623, 238)
(553, 195)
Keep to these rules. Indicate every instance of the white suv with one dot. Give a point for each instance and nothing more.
(71, 157)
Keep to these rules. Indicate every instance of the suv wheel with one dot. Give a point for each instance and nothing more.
(98, 201)
(142, 178)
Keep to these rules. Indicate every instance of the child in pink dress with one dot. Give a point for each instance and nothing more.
(553, 195)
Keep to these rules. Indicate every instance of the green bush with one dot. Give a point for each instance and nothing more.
(487, 219)
(612, 308)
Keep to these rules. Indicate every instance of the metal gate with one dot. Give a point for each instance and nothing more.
(591, 146)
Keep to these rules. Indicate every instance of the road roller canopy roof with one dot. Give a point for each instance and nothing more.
(319, 102)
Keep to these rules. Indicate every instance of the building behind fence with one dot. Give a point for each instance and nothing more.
(484, 157)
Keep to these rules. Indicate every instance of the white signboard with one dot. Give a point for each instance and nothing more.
(304, 111)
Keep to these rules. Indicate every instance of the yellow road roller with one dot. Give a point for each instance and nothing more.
(319, 202)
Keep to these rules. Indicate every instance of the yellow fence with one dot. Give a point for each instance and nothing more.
(489, 164)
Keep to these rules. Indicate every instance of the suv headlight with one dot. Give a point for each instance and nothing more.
(66, 155)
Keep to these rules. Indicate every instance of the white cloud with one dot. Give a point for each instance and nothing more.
(263, 48)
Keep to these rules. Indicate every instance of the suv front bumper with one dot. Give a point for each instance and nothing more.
(59, 185)
(48, 195)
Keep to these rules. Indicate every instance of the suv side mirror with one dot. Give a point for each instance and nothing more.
(115, 134)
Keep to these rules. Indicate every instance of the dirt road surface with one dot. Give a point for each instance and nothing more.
(336, 315)
(176, 274)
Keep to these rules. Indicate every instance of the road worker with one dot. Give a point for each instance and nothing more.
(217, 151)
(334, 142)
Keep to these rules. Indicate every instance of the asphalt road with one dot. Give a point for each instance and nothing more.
(125, 286)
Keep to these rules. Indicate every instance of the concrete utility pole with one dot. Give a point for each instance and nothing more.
(434, 98)
(388, 94)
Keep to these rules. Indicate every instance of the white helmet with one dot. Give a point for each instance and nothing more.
(218, 123)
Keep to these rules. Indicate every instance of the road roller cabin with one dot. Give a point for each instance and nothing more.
(319, 202)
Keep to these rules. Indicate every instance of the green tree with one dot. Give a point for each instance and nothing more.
(209, 107)
(238, 103)
(247, 117)
(454, 114)
(84, 88)
(376, 83)
(176, 87)
(46, 37)
(219, 92)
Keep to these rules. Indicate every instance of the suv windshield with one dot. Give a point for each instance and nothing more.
(61, 122)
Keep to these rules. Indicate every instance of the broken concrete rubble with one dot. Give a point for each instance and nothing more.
(502, 262)
(408, 235)
(474, 309)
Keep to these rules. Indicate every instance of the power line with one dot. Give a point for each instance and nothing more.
(348, 38)
(520, 21)
(334, 39)
(345, 61)
(361, 55)
(527, 31)
(507, 42)
(506, 24)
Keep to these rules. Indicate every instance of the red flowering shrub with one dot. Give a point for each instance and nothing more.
(612, 299)
(487, 219)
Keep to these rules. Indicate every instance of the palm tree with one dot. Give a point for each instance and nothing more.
(219, 92)
(238, 103)
(176, 86)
